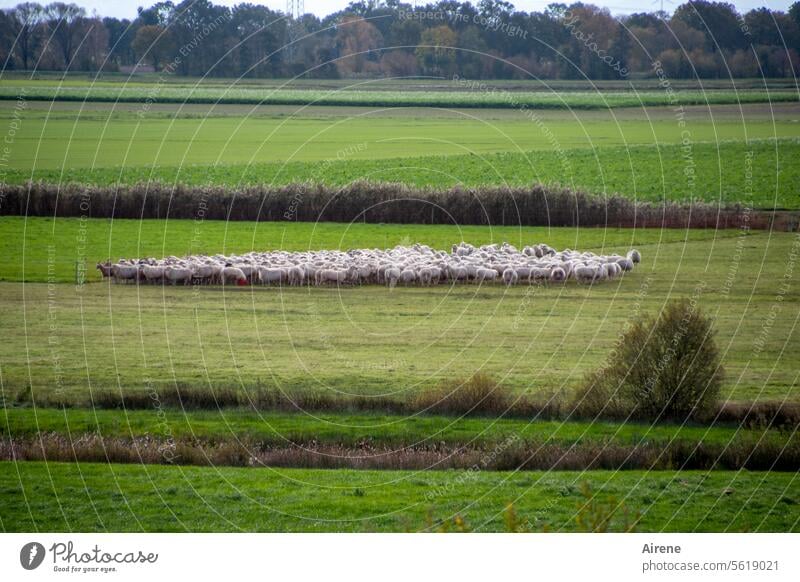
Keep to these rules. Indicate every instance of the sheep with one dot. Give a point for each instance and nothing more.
(587, 273)
(233, 275)
(625, 264)
(407, 276)
(558, 275)
(417, 264)
(296, 275)
(271, 275)
(483, 275)
(105, 269)
(153, 274)
(206, 273)
(338, 276)
(510, 277)
(178, 275)
(425, 276)
(123, 272)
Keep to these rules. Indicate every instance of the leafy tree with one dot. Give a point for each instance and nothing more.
(718, 21)
(358, 41)
(435, 53)
(153, 43)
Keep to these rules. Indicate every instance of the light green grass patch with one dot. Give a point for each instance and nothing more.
(96, 497)
(371, 340)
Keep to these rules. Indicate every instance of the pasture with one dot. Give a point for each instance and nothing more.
(71, 352)
(100, 497)
(540, 339)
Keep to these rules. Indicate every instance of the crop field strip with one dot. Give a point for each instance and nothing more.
(480, 97)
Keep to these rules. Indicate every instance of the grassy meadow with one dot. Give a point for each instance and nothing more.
(97, 497)
(65, 346)
(367, 340)
(726, 154)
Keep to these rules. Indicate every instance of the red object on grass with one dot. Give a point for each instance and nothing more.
(242, 282)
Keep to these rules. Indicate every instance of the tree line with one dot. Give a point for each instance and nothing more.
(489, 40)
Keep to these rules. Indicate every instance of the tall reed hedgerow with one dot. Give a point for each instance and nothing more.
(361, 201)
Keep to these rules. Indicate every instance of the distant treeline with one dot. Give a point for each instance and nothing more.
(371, 203)
(390, 38)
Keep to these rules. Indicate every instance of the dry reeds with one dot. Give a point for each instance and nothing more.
(361, 201)
(514, 454)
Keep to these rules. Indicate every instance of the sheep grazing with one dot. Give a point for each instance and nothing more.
(558, 275)
(510, 277)
(233, 275)
(104, 268)
(414, 265)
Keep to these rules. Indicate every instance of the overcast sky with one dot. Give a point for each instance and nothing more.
(127, 8)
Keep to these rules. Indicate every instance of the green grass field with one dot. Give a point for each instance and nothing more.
(68, 343)
(96, 497)
(368, 340)
(718, 154)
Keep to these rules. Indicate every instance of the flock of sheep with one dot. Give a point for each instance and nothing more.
(415, 265)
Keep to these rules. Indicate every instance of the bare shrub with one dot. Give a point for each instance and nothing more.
(758, 414)
(480, 394)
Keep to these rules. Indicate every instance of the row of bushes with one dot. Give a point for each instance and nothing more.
(479, 395)
(741, 453)
(365, 202)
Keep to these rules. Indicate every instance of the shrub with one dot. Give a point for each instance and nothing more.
(480, 394)
(662, 368)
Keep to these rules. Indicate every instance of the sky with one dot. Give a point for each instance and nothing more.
(127, 8)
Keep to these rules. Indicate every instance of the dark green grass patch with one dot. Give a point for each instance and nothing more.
(95, 497)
